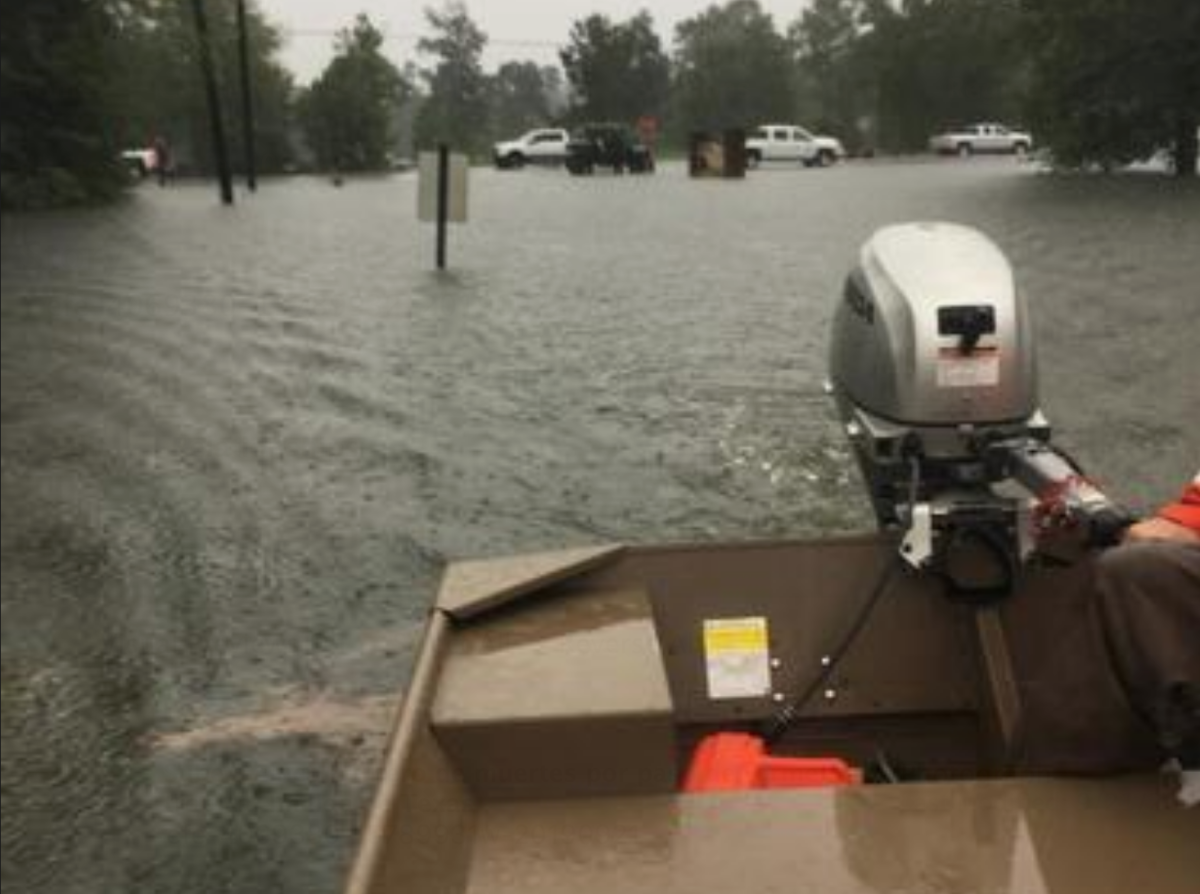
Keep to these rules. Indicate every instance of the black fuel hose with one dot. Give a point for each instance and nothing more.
(782, 720)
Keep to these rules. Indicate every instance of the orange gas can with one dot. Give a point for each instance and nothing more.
(739, 761)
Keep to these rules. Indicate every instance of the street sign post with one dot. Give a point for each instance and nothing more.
(441, 193)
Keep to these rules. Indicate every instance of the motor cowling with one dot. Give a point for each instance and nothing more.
(931, 330)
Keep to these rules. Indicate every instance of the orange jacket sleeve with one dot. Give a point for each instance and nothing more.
(1186, 512)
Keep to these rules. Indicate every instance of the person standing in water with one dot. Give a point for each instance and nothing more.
(162, 159)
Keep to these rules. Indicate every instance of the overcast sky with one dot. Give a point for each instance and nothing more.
(516, 29)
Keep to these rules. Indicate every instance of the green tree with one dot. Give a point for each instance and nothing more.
(557, 98)
(836, 86)
(732, 68)
(617, 70)
(161, 94)
(349, 112)
(1116, 79)
(57, 140)
(519, 99)
(456, 109)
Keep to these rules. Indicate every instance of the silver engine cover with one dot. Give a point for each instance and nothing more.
(893, 351)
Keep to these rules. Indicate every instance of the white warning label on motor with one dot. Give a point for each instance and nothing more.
(737, 658)
(978, 370)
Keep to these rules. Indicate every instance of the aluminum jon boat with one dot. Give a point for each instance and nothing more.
(558, 699)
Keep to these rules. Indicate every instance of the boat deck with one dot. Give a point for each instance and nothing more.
(1006, 835)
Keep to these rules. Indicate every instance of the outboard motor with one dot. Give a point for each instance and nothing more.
(933, 369)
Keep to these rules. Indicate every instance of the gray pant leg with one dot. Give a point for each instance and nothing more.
(1148, 605)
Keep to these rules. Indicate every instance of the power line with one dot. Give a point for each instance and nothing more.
(409, 37)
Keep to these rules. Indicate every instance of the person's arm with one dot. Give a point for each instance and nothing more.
(1186, 512)
(1178, 521)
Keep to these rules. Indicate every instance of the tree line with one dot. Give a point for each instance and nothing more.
(1101, 82)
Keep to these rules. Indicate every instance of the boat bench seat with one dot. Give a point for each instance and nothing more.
(565, 698)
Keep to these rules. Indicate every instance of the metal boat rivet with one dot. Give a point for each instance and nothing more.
(830, 694)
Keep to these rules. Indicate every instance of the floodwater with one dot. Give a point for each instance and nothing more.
(238, 446)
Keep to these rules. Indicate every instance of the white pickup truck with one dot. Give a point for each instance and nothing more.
(981, 138)
(787, 142)
(545, 146)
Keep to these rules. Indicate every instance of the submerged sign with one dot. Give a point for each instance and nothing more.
(456, 188)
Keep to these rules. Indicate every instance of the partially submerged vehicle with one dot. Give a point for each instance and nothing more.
(981, 138)
(612, 146)
(140, 163)
(544, 146)
(790, 142)
(830, 715)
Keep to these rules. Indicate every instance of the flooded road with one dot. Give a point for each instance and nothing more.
(239, 444)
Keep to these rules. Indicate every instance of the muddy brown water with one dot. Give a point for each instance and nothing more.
(239, 444)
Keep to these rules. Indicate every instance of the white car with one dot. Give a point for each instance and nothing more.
(987, 137)
(545, 146)
(141, 162)
(787, 142)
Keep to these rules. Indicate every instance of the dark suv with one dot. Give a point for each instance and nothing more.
(607, 146)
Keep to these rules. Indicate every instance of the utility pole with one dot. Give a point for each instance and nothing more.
(220, 152)
(247, 104)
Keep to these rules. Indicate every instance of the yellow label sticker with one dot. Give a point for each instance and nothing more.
(737, 657)
(735, 635)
